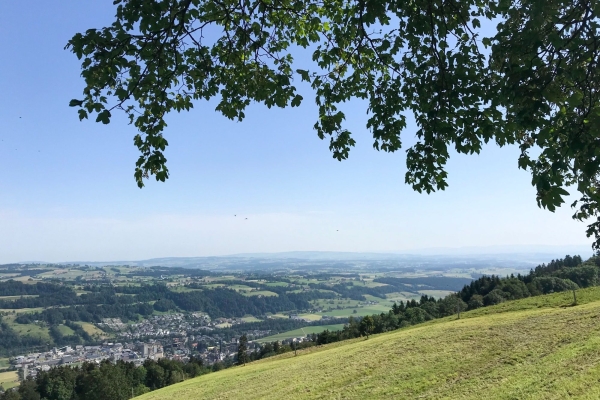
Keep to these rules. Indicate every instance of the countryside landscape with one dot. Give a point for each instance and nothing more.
(300, 199)
(66, 323)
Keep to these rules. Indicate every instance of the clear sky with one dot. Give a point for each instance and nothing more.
(67, 190)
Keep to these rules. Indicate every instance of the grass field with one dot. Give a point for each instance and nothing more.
(91, 329)
(251, 319)
(21, 310)
(9, 379)
(300, 332)
(239, 288)
(32, 330)
(536, 348)
(4, 363)
(17, 297)
(282, 284)
(278, 315)
(265, 293)
(65, 330)
(369, 284)
(360, 311)
(214, 285)
(311, 317)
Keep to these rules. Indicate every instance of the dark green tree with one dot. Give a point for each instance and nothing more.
(452, 304)
(10, 395)
(28, 390)
(242, 354)
(475, 302)
(367, 325)
(496, 296)
(469, 72)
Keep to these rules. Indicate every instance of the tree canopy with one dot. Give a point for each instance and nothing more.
(530, 80)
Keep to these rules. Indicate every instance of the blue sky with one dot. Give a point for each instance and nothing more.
(67, 190)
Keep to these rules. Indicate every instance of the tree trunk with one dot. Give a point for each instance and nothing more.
(574, 298)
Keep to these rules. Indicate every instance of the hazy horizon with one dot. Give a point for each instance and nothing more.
(481, 251)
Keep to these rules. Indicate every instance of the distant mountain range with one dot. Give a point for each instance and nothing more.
(526, 254)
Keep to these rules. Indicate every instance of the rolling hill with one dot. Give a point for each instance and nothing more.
(535, 348)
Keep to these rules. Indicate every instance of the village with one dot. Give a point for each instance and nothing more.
(175, 336)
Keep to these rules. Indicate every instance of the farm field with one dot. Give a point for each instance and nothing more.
(21, 310)
(360, 311)
(65, 330)
(278, 315)
(402, 296)
(91, 329)
(9, 379)
(17, 297)
(311, 317)
(4, 363)
(265, 293)
(32, 330)
(251, 319)
(535, 348)
(300, 332)
(436, 293)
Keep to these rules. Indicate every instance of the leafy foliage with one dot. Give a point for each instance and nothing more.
(533, 81)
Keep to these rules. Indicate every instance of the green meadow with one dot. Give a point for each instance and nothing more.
(300, 332)
(535, 348)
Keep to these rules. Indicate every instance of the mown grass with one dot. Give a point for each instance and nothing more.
(360, 311)
(65, 330)
(536, 348)
(91, 329)
(9, 379)
(265, 293)
(20, 310)
(4, 363)
(300, 332)
(250, 318)
(31, 330)
(17, 297)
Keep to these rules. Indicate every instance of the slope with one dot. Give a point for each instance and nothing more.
(536, 348)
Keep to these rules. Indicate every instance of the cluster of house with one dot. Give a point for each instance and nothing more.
(32, 363)
(177, 324)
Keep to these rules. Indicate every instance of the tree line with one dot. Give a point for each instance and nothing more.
(106, 380)
(569, 273)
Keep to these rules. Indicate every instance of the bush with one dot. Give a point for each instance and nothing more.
(476, 302)
(496, 296)
(551, 284)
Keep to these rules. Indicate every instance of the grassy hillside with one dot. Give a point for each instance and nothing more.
(301, 332)
(536, 348)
